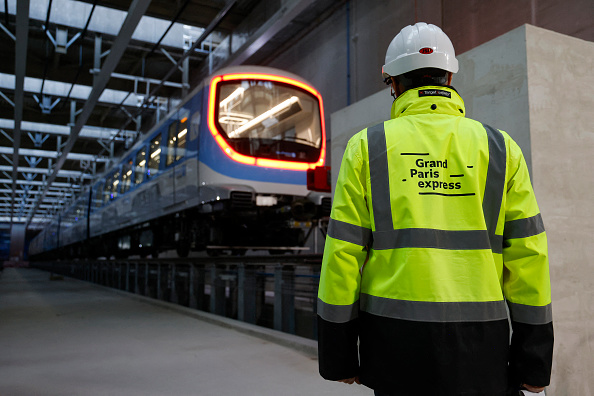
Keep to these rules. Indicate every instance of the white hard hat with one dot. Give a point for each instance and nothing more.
(419, 46)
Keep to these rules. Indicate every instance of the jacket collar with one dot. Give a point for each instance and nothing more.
(427, 100)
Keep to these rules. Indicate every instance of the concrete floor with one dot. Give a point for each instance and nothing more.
(67, 337)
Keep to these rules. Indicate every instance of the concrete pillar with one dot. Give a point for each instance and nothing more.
(562, 142)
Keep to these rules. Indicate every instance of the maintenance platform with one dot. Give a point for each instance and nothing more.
(61, 336)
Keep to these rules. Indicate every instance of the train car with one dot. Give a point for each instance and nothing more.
(227, 169)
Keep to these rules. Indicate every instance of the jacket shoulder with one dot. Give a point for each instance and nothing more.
(357, 145)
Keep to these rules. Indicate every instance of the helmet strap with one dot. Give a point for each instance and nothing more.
(393, 93)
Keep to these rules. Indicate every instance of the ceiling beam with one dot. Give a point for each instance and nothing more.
(41, 183)
(31, 199)
(35, 192)
(63, 173)
(37, 223)
(20, 64)
(103, 20)
(135, 12)
(80, 92)
(90, 132)
(209, 29)
(51, 154)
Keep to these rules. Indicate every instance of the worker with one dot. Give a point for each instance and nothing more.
(434, 234)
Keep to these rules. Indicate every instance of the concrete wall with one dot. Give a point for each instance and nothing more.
(562, 138)
(533, 83)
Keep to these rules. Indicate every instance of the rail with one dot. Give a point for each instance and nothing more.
(278, 292)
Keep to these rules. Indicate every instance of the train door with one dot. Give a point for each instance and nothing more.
(181, 169)
(176, 154)
(169, 178)
(154, 193)
(95, 213)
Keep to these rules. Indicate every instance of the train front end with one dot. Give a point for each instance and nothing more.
(264, 131)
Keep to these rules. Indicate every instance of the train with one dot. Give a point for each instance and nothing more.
(239, 164)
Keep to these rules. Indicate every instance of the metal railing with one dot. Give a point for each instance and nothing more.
(278, 292)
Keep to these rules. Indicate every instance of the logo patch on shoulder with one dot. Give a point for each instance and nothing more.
(435, 92)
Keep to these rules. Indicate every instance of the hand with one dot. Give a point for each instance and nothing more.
(533, 389)
(350, 380)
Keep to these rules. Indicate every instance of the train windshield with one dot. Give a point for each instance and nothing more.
(270, 120)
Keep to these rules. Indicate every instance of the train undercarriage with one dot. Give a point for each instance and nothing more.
(231, 226)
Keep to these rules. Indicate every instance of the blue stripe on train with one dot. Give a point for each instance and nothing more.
(212, 155)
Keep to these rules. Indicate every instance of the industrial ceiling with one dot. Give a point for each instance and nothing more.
(80, 81)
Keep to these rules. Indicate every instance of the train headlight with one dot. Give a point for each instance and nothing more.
(265, 201)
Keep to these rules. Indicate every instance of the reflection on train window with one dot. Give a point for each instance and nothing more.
(140, 166)
(176, 141)
(272, 120)
(107, 190)
(126, 176)
(97, 201)
(111, 187)
(171, 140)
(79, 212)
(182, 132)
(114, 184)
(154, 156)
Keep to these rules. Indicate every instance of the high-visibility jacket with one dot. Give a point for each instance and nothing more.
(434, 235)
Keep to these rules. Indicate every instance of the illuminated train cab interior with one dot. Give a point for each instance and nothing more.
(255, 112)
(238, 165)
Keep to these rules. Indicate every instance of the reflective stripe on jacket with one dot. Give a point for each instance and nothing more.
(434, 222)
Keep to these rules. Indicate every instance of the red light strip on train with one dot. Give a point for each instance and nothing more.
(263, 162)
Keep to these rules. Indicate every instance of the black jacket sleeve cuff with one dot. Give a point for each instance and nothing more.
(337, 349)
(531, 354)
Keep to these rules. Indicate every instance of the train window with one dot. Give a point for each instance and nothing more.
(171, 140)
(126, 176)
(140, 166)
(182, 132)
(154, 156)
(270, 119)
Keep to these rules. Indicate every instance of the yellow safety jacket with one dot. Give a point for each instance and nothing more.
(434, 231)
